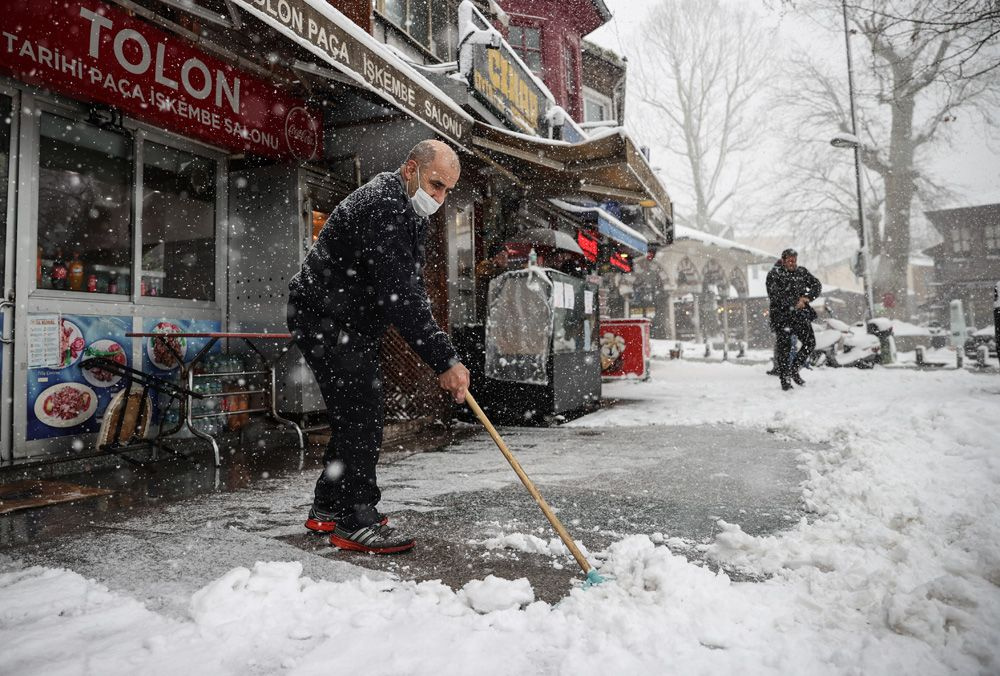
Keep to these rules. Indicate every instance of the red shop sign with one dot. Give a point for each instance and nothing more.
(95, 52)
(620, 261)
(588, 242)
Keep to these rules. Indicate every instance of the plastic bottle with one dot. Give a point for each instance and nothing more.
(532, 257)
(113, 283)
(75, 273)
(59, 272)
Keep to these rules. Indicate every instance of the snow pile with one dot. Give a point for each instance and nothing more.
(906, 534)
(532, 544)
(896, 570)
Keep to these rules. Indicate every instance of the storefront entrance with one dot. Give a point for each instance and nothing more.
(111, 227)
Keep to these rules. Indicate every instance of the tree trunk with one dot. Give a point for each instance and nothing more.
(891, 286)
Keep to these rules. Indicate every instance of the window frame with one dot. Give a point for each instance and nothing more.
(594, 96)
(139, 133)
(379, 7)
(522, 49)
(140, 185)
(991, 237)
(961, 240)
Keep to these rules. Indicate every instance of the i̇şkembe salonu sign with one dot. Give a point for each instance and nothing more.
(95, 52)
(333, 40)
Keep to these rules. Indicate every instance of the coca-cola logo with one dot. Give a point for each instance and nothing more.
(302, 134)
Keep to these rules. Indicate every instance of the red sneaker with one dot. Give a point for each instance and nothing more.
(374, 539)
(322, 527)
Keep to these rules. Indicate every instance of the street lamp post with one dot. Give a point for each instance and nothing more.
(851, 141)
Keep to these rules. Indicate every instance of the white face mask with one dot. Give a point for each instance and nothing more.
(422, 202)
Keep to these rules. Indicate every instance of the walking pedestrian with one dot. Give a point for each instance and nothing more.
(790, 289)
(363, 274)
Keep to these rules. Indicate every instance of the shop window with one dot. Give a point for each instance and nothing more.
(527, 42)
(992, 235)
(462, 268)
(178, 224)
(84, 207)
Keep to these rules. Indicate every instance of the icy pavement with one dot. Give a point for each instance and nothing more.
(894, 567)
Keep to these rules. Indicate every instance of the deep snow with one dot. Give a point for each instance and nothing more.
(896, 570)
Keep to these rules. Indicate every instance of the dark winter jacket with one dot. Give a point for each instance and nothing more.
(365, 272)
(784, 288)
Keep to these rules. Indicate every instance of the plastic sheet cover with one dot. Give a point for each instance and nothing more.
(519, 327)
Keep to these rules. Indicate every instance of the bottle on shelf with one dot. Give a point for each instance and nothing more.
(113, 283)
(75, 273)
(58, 273)
(532, 257)
(92, 283)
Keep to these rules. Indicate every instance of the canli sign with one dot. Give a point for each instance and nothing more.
(97, 53)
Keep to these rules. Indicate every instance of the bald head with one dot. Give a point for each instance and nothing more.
(433, 166)
(426, 152)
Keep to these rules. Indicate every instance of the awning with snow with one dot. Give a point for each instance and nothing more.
(608, 225)
(608, 166)
(322, 30)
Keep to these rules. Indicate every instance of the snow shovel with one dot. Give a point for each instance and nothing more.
(593, 577)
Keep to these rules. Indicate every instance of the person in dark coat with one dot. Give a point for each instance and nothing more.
(791, 288)
(363, 274)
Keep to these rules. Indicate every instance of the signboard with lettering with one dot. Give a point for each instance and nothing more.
(324, 31)
(589, 241)
(504, 84)
(96, 52)
(501, 80)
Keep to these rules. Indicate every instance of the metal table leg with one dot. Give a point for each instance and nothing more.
(272, 367)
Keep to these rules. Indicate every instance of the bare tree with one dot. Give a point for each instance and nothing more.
(697, 74)
(919, 75)
(977, 20)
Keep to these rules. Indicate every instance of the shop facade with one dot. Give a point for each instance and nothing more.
(117, 141)
(167, 167)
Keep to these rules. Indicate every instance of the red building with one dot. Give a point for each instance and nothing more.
(548, 35)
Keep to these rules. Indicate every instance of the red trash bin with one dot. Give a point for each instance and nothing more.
(625, 348)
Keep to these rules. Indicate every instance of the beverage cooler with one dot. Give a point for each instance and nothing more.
(537, 354)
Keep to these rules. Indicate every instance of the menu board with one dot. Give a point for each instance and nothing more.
(43, 341)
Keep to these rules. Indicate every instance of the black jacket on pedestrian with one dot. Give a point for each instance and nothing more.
(784, 288)
(365, 272)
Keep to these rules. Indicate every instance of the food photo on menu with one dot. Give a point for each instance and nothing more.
(160, 353)
(65, 398)
(163, 351)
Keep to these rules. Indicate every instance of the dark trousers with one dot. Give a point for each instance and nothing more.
(349, 375)
(801, 329)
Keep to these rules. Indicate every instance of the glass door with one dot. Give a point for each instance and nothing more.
(8, 182)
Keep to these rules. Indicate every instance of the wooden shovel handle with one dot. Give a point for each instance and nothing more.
(549, 514)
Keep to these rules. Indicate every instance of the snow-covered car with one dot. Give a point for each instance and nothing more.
(985, 337)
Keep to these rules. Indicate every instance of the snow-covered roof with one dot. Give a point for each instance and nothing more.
(684, 232)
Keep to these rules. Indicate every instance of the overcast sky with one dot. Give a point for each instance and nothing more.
(971, 166)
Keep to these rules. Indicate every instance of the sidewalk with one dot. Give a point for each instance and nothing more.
(183, 525)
